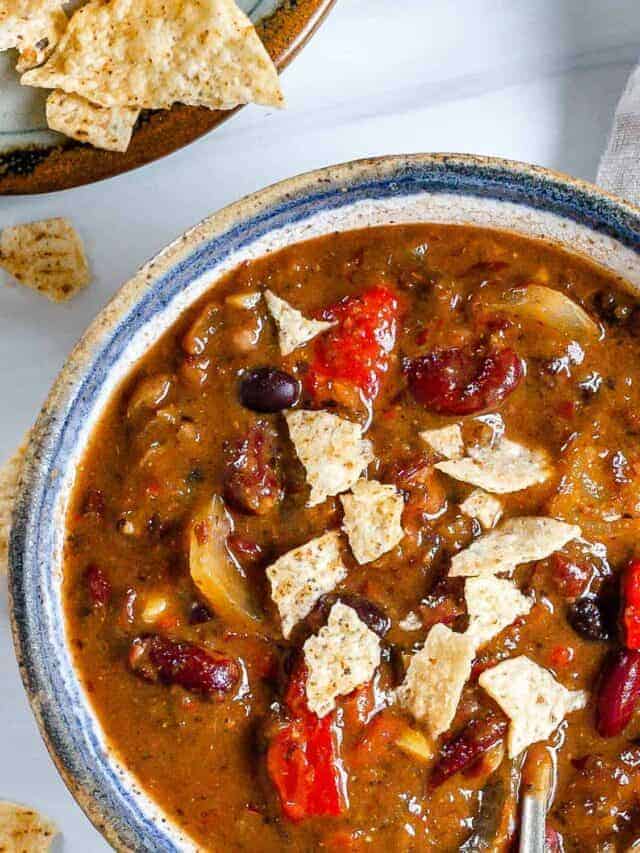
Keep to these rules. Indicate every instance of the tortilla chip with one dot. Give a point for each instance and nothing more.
(47, 256)
(33, 27)
(507, 467)
(436, 675)
(300, 577)
(294, 330)
(447, 441)
(484, 507)
(154, 53)
(518, 540)
(23, 830)
(331, 449)
(9, 479)
(342, 656)
(532, 699)
(492, 604)
(372, 519)
(109, 128)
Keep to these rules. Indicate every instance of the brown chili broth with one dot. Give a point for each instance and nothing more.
(201, 759)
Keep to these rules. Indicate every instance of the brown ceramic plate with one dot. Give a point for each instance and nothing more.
(26, 167)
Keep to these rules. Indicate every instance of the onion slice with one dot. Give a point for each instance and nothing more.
(549, 307)
(216, 574)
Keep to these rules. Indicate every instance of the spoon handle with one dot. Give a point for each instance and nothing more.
(537, 782)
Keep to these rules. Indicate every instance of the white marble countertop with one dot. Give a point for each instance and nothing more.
(533, 80)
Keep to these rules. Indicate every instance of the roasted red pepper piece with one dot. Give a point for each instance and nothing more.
(353, 356)
(630, 589)
(302, 761)
(618, 692)
(460, 382)
(465, 748)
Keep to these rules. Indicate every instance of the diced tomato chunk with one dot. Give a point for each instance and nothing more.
(302, 759)
(354, 355)
(631, 605)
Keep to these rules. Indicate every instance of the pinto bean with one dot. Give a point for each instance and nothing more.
(202, 329)
(149, 394)
(157, 658)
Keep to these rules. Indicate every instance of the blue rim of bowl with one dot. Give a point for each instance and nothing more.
(66, 722)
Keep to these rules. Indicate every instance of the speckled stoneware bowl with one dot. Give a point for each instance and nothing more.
(420, 188)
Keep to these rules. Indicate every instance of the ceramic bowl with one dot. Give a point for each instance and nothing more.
(418, 188)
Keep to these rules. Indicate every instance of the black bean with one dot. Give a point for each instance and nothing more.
(266, 389)
(587, 619)
(199, 613)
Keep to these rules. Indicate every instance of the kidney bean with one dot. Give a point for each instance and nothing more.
(266, 389)
(98, 586)
(618, 692)
(372, 615)
(458, 382)
(157, 658)
(199, 613)
(465, 748)
(570, 576)
(586, 618)
(252, 482)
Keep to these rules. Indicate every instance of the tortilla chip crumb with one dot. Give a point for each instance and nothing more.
(492, 604)
(340, 657)
(9, 479)
(518, 540)
(24, 830)
(533, 700)
(436, 675)
(300, 577)
(486, 508)
(109, 128)
(372, 519)
(294, 330)
(332, 450)
(47, 256)
(446, 441)
(500, 469)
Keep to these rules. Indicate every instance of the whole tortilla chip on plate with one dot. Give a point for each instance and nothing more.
(109, 128)
(47, 256)
(33, 27)
(154, 53)
(23, 830)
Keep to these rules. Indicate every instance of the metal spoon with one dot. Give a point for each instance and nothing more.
(536, 785)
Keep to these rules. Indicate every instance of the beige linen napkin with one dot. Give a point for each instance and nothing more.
(619, 170)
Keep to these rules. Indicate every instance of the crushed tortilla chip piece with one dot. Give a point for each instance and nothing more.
(447, 441)
(436, 675)
(518, 540)
(332, 450)
(533, 700)
(506, 467)
(154, 53)
(9, 478)
(300, 577)
(47, 256)
(492, 604)
(33, 27)
(294, 330)
(109, 128)
(483, 506)
(372, 519)
(343, 655)
(23, 830)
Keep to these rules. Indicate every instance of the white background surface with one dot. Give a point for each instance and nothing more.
(533, 80)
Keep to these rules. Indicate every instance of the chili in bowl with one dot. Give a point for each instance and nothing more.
(332, 516)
